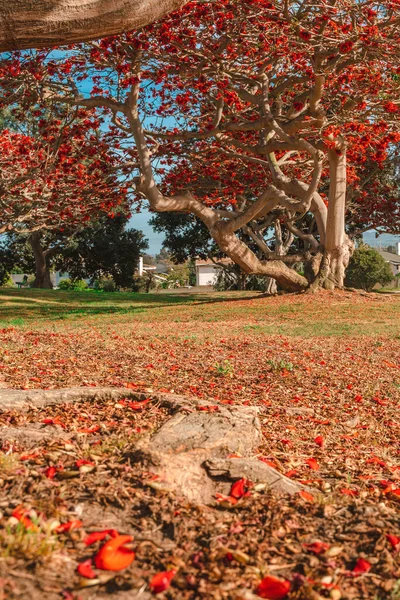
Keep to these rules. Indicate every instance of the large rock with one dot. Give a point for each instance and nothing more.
(190, 453)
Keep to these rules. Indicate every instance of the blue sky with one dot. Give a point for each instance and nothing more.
(382, 240)
(140, 221)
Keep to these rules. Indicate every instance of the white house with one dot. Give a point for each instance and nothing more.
(207, 271)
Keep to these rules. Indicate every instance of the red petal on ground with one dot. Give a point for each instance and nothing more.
(69, 526)
(20, 513)
(361, 566)
(312, 463)
(273, 588)
(93, 429)
(319, 440)
(82, 461)
(97, 536)
(51, 472)
(138, 405)
(85, 569)
(161, 581)
(55, 421)
(317, 547)
(307, 496)
(291, 473)
(240, 488)
(113, 556)
(393, 540)
(348, 492)
(394, 495)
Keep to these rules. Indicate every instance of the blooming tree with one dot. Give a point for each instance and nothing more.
(56, 176)
(250, 115)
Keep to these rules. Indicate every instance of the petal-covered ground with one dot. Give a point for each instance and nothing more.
(325, 371)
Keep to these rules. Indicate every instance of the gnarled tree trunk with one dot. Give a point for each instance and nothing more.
(45, 23)
(338, 246)
(42, 273)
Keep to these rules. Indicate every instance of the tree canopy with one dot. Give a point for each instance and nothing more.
(250, 115)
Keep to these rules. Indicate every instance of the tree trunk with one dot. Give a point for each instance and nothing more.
(42, 273)
(270, 286)
(338, 246)
(45, 23)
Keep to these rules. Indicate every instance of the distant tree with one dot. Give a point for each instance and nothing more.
(148, 259)
(186, 237)
(56, 175)
(15, 255)
(367, 268)
(373, 200)
(106, 248)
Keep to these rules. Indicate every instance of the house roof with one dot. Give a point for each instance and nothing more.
(390, 256)
(209, 263)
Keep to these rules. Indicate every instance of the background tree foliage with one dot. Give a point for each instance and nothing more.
(106, 248)
(368, 268)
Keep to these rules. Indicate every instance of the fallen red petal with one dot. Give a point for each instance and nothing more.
(161, 581)
(69, 526)
(240, 488)
(312, 463)
(113, 556)
(317, 547)
(85, 569)
(273, 588)
(393, 540)
(361, 566)
(97, 536)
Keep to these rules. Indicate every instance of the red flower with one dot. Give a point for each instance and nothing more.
(391, 107)
(305, 35)
(346, 46)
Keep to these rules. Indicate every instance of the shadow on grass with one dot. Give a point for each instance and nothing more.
(20, 306)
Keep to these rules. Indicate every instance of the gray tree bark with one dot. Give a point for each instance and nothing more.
(45, 23)
(42, 273)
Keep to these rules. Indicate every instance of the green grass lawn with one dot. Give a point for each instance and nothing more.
(303, 315)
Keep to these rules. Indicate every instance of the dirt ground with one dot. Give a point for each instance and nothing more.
(324, 371)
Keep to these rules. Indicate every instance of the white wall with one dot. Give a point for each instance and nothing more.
(206, 274)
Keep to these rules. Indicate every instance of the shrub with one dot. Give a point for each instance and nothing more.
(105, 284)
(367, 268)
(144, 283)
(73, 286)
(6, 281)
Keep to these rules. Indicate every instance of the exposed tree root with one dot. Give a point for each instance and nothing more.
(191, 452)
